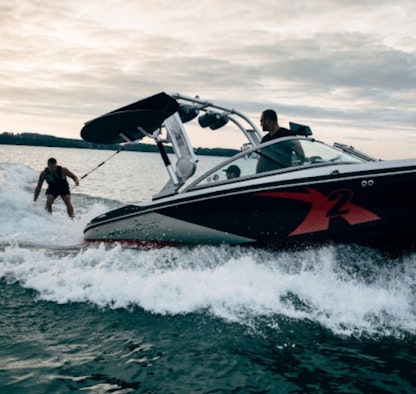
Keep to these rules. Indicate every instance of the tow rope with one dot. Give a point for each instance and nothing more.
(102, 163)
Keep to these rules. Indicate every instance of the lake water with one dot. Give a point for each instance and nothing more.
(191, 319)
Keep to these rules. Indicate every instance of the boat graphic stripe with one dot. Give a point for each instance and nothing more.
(324, 208)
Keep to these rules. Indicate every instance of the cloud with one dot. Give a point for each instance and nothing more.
(344, 66)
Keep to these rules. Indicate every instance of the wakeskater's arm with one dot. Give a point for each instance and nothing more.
(66, 172)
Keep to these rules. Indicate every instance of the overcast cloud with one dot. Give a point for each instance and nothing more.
(347, 68)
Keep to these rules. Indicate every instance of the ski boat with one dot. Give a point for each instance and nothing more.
(288, 192)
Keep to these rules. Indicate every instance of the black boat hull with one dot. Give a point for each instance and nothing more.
(374, 208)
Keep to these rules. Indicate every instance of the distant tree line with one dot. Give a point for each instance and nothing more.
(34, 139)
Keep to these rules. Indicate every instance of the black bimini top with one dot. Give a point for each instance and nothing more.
(147, 114)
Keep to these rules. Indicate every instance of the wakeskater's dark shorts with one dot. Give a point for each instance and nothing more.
(62, 190)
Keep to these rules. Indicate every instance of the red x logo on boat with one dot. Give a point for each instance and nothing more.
(324, 208)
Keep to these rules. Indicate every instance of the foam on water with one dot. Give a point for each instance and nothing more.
(350, 291)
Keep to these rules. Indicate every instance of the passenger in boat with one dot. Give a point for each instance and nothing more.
(232, 172)
(55, 176)
(280, 155)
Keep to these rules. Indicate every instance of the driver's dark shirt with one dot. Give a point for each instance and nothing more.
(282, 132)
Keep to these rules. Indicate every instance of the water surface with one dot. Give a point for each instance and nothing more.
(103, 319)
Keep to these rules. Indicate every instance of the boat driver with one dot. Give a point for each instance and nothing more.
(280, 155)
(269, 122)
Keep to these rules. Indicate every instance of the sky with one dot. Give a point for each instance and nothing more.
(347, 68)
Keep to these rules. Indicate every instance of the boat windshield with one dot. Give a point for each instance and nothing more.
(280, 154)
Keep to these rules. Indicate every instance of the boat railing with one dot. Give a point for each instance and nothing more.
(355, 152)
(286, 154)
